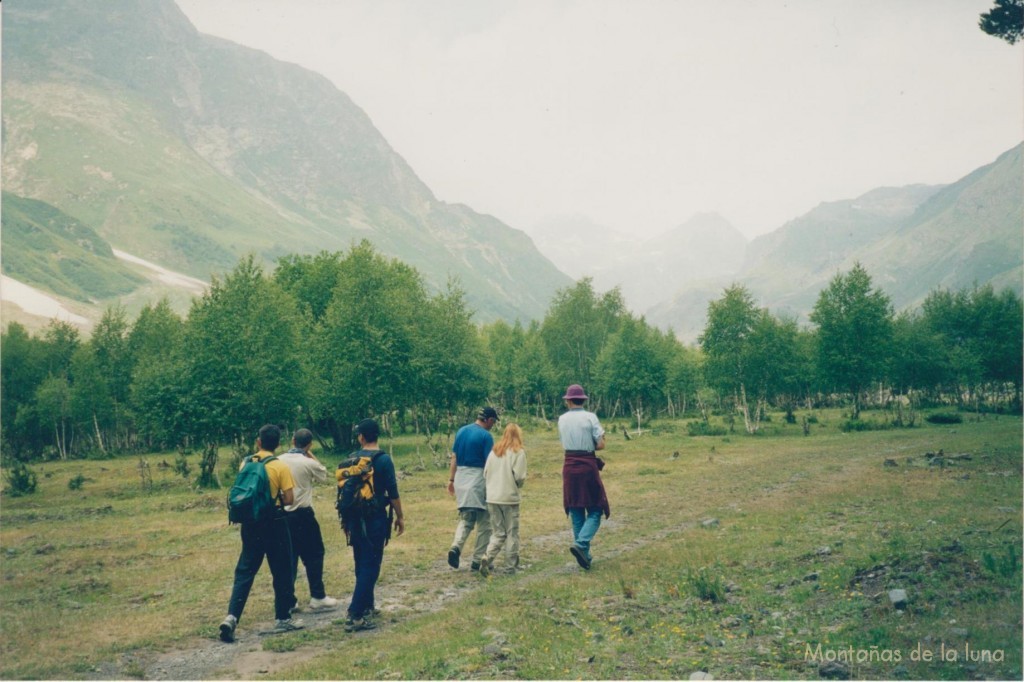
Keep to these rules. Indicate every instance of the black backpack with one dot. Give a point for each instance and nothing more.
(357, 498)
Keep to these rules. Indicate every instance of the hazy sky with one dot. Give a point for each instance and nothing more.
(639, 113)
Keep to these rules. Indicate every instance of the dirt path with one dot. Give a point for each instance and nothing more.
(206, 659)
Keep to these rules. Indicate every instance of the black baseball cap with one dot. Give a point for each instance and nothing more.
(369, 430)
(487, 413)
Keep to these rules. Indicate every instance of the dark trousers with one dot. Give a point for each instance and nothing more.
(368, 552)
(308, 545)
(270, 540)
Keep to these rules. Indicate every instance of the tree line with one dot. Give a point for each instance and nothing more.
(327, 339)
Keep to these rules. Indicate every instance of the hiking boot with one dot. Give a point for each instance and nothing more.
(227, 629)
(581, 557)
(359, 624)
(288, 624)
(485, 567)
(453, 557)
(325, 604)
(475, 566)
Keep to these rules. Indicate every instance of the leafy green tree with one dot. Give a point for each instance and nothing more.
(449, 362)
(362, 356)
(502, 342)
(158, 393)
(91, 402)
(633, 368)
(919, 358)
(519, 367)
(726, 342)
(241, 361)
(311, 279)
(53, 405)
(576, 327)
(854, 333)
(534, 375)
(60, 341)
(22, 369)
(115, 362)
(777, 364)
(1005, 20)
(685, 377)
(982, 334)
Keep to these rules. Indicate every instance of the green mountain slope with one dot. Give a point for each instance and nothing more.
(191, 151)
(58, 253)
(911, 240)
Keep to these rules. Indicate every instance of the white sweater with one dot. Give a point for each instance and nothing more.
(504, 476)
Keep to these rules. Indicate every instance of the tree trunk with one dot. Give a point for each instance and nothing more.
(99, 437)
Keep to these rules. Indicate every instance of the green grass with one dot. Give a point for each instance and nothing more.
(813, 532)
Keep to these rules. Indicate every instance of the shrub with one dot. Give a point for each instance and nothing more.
(858, 425)
(20, 480)
(944, 418)
(207, 468)
(181, 466)
(705, 586)
(1005, 565)
(705, 429)
(76, 483)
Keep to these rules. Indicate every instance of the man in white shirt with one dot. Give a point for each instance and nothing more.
(307, 541)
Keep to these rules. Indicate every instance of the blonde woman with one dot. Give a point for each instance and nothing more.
(504, 475)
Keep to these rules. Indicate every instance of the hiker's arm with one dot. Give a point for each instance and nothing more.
(288, 497)
(519, 470)
(318, 470)
(396, 504)
(599, 445)
(451, 475)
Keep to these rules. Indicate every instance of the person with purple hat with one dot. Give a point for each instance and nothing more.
(583, 494)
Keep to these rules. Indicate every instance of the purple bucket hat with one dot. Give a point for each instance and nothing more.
(574, 392)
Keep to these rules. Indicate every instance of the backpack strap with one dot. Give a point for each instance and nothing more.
(264, 462)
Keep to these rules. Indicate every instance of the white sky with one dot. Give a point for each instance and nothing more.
(640, 113)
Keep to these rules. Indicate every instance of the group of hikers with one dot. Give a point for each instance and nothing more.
(485, 479)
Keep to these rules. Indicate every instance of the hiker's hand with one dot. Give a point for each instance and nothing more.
(451, 488)
(399, 525)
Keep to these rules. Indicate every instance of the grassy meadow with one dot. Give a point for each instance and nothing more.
(769, 556)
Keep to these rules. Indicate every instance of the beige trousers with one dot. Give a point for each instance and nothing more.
(504, 533)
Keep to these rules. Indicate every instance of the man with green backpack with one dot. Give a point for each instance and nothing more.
(263, 487)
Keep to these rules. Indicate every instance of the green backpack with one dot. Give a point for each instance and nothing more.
(249, 500)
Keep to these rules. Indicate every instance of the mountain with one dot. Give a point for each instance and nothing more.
(59, 253)
(645, 270)
(911, 240)
(190, 151)
(704, 247)
(580, 247)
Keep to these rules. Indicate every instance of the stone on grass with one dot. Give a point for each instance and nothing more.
(701, 675)
(834, 670)
(898, 598)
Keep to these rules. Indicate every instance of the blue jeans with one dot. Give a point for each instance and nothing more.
(368, 553)
(585, 522)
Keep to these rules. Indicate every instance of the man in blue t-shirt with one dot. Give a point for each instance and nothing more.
(473, 442)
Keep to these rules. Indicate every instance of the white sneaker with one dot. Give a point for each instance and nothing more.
(325, 604)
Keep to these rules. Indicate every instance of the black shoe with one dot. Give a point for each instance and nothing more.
(227, 629)
(359, 624)
(475, 566)
(453, 557)
(581, 558)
